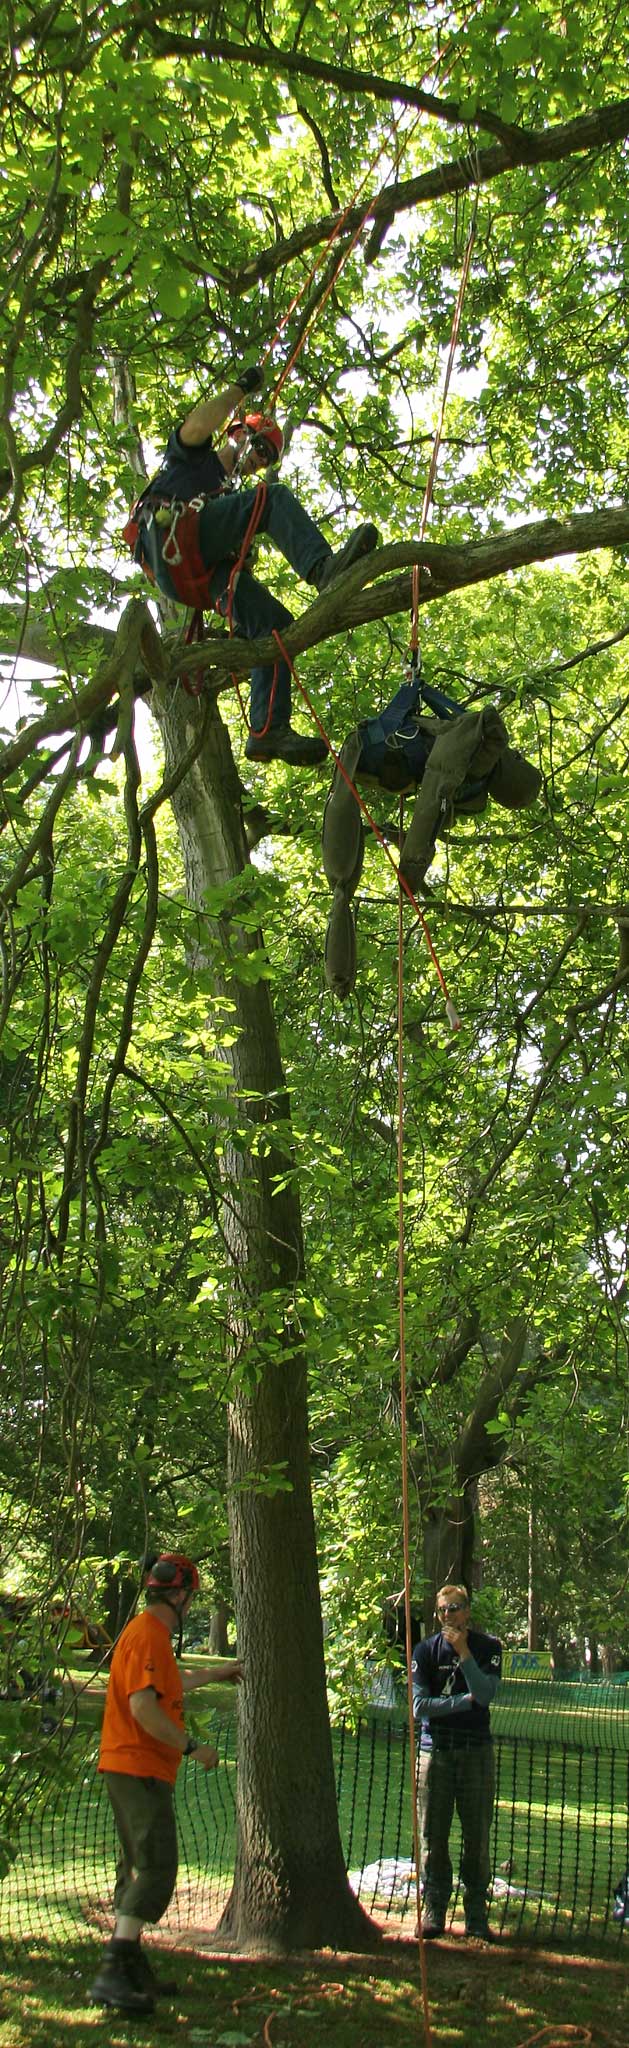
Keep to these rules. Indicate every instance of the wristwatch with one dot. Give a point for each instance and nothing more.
(190, 1747)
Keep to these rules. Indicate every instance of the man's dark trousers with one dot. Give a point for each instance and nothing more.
(461, 1776)
(147, 1866)
(222, 528)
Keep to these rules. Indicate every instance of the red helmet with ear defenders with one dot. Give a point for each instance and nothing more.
(266, 437)
(172, 1573)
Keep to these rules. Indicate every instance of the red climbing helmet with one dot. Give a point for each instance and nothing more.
(266, 437)
(172, 1573)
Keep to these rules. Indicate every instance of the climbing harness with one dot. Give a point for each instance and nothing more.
(163, 536)
(163, 533)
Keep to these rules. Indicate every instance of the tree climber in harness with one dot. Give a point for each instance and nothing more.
(187, 531)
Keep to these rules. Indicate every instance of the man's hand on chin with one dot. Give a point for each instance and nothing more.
(458, 1638)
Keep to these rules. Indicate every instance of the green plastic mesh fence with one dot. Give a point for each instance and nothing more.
(561, 1831)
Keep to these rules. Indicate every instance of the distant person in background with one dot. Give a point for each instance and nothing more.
(455, 1678)
(142, 1743)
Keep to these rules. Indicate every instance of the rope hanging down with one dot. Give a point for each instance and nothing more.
(257, 509)
(406, 1527)
(444, 67)
(454, 1020)
(345, 255)
(406, 1519)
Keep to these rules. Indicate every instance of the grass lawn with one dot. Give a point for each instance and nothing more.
(479, 1998)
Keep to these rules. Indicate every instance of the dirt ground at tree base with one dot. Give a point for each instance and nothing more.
(504, 1996)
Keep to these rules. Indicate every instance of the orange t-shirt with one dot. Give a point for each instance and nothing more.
(143, 1657)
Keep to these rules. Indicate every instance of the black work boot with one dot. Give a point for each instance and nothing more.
(431, 1928)
(117, 1981)
(361, 542)
(282, 743)
(159, 1987)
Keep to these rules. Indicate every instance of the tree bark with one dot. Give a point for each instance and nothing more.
(290, 1886)
(533, 1598)
(610, 1660)
(448, 1549)
(449, 1529)
(218, 1644)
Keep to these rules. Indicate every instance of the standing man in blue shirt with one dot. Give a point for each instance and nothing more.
(455, 1678)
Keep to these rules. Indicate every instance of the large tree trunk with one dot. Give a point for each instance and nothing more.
(449, 1529)
(532, 1637)
(562, 1656)
(448, 1549)
(218, 1641)
(290, 1887)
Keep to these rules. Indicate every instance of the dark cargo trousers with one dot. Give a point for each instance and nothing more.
(146, 1870)
(463, 1777)
(256, 612)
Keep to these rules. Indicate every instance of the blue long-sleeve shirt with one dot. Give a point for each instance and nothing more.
(452, 1695)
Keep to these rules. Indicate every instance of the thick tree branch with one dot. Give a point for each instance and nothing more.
(474, 1450)
(297, 64)
(347, 605)
(136, 644)
(455, 1354)
(598, 130)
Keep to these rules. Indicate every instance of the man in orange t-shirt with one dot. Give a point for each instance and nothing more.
(142, 1743)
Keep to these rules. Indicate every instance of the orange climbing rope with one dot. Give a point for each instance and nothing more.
(320, 258)
(454, 336)
(406, 1519)
(415, 656)
(346, 253)
(257, 509)
(446, 62)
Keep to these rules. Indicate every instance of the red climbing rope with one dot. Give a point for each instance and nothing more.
(404, 890)
(257, 509)
(447, 59)
(320, 259)
(406, 1518)
(454, 336)
(415, 657)
(346, 253)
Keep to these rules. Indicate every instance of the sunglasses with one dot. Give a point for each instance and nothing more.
(265, 448)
